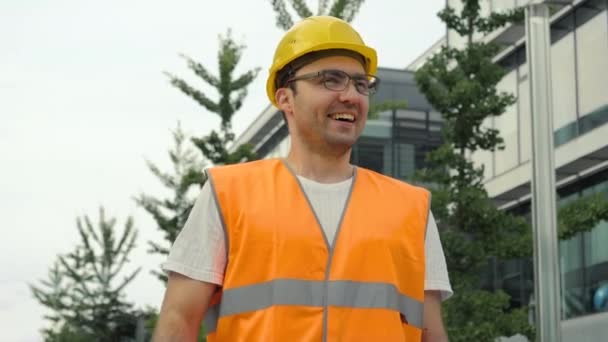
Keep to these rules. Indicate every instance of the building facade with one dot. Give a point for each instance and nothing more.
(396, 142)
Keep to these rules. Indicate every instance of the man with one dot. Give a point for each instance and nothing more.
(309, 248)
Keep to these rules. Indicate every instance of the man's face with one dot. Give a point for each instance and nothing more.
(324, 120)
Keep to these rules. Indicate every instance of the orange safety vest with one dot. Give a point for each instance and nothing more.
(285, 282)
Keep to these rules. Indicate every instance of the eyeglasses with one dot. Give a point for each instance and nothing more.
(338, 80)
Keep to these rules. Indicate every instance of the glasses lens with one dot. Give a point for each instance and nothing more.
(362, 84)
(338, 80)
(335, 79)
(372, 84)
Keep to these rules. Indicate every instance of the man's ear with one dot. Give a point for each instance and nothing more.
(284, 99)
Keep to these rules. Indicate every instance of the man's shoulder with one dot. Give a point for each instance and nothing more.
(246, 167)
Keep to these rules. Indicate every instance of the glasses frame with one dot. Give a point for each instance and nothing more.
(373, 80)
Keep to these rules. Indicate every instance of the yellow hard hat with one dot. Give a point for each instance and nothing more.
(318, 33)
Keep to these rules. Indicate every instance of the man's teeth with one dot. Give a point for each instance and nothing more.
(347, 117)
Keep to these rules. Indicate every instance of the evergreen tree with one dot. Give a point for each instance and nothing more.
(232, 92)
(343, 9)
(85, 288)
(171, 213)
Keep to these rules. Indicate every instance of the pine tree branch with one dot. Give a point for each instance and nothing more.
(283, 20)
(167, 179)
(196, 95)
(244, 80)
(301, 8)
(237, 102)
(345, 9)
(122, 261)
(125, 235)
(201, 71)
(352, 9)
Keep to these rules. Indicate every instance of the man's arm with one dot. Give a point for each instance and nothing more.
(185, 303)
(432, 322)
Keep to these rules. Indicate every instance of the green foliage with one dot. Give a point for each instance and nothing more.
(582, 215)
(85, 288)
(469, 324)
(213, 146)
(171, 213)
(343, 9)
(461, 84)
(468, 22)
(466, 94)
(232, 92)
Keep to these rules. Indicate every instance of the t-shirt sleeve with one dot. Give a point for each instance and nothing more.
(436, 277)
(199, 251)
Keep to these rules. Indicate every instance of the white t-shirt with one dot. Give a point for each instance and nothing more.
(199, 251)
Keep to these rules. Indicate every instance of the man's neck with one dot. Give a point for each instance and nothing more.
(321, 168)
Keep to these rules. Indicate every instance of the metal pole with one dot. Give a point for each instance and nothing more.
(546, 256)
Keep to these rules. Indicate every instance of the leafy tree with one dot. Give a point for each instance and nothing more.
(85, 288)
(343, 9)
(461, 84)
(171, 213)
(582, 215)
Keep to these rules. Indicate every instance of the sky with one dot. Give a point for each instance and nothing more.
(84, 103)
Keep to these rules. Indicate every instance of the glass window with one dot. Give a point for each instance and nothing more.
(370, 154)
(595, 245)
(597, 242)
(571, 269)
(592, 57)
(563, 81)
(507, 125)
(406, 160)
(584, 262)
(525, 119)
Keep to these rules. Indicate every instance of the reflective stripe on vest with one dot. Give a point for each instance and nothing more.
(310, 293)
